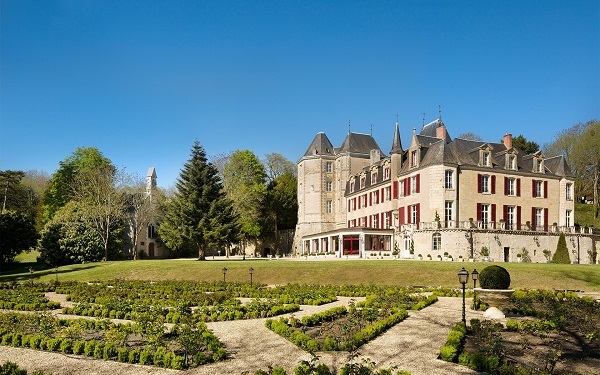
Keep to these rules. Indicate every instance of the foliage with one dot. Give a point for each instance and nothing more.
(281, 204)
(453, 346)
(17, 194)
(17, 233)
(276, 165)
(244, 182)
(494, 277)
(528, 147)
(200, 215)
(561, 255)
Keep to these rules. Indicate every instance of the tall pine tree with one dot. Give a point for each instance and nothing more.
(199, 216)
(562, 251)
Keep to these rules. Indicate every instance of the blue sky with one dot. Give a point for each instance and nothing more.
(141, 80)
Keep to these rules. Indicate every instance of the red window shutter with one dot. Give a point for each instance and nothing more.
(545, 219)
(348, 205)
(418, 208)
(518, 217)
(401, 215)
(545, 189)
(395, 190)
(381, 220)
(355, 203)
(409, 212)
(533, 223)
(370, 199)
(505, 213)
(382, 195)
(406, 187)
(493, 184)
(478, 211)
(494, 215)
(370, 221)
(505, 185)
(533, 188)
(478, 183)
(348, 223)
(518, 187)
(418, 187)
(359, 201)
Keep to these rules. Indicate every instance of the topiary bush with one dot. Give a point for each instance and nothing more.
(561, 256)
(494, 277)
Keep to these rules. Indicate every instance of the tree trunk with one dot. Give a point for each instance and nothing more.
(201, 255)
(596, 177)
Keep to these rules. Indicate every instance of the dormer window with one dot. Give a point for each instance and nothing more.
(539, 166)
(386, 174)
(373, 177)
(413, 158)
(485, 159)
(362, 182)
(512, 162)
(351, 186)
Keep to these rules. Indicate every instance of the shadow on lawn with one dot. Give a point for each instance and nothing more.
(21, 271)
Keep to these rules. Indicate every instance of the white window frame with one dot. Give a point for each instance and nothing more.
(386, 174)
(329, 167)
(436, 241)
(448, 211)
(449, 179)
(485, 215)
(329, 186)
(568, 214)
(413, 184)
(485, 183)
(363, 182)
(569, 192)
(329, 206)
(539, 218)
(510, 218)
(401, 188)
(413, 214)
(373, 178)
(539, 187)
(511, 190)
(388, 194)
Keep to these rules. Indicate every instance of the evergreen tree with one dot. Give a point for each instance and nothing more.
(562, 252)
(17, 233)
(199, 216)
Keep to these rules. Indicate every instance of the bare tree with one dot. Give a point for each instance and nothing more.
(142, 209)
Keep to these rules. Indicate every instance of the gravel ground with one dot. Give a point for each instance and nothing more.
(411, 345)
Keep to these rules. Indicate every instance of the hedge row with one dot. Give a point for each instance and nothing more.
(298, 338)
(423, 304)
(9, 305)
(371, 331)
(454, 343)
(91, 348)
(324, 316)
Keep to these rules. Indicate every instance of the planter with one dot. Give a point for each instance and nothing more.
(498, 298)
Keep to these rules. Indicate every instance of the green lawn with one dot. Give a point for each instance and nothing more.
(381, 272)
(585, 215)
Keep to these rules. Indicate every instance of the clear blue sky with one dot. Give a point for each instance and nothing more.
(141, 80)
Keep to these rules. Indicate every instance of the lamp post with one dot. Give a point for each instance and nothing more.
(463, 276)
(224, 272)
(250, 270)
(474, 276)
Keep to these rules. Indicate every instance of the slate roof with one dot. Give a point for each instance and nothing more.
(320, 146)
(558, 166)
(430, 129)
(358, 143)
(396, 142)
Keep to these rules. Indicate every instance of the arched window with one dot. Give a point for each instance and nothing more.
(436, 240)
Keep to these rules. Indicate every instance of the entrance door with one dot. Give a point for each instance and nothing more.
(406, 241)
(151, 250)
(507, 254)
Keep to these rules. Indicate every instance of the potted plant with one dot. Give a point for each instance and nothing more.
(548, 255)
(471, 258)
(519, 259)
(445, 255)
(494, 287)
(420, 257)
(428, 256)
(485, 253)
(439, 257)
(437, 221)
(450, 258)
(460, 258)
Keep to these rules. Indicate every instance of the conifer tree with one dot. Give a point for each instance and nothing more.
(199, 216)
(562, 252)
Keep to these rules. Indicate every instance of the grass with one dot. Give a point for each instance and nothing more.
(380, 272)
(585, 215)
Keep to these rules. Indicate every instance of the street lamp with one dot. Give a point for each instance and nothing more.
(463, 277)
(474, 276)
(224, 272)
(250, 270)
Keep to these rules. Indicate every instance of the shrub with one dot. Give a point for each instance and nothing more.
(177, 362)
(99, 350)
(16, 340)
(146, 357)
(66, 346)
(78, 347)
(89, 348)
(561, 255)
(35, 342)
(122, 355)
(159, 356)
(134, 356)
(110, 351)
(7, 339)
(494, 277)
(11, 368)
(53, 344)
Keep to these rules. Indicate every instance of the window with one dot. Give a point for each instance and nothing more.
(374, 220)
(539, 218)
(539, 166)
(329, 207)
(329, 186)
(362, 182)
(329, 167)
(436, 240)
(485, 161)
(414, 184)
(413, 158)
(386, 219)
(386, 174)
(388, 193)
(364, 200)
(414, 214)
(448, 179)
(510, 218)
(402, 189)
(373, 177)
(448, 212)
(351, 186)
(539, 186)
(510, 190)
(485, 184)
(568, 192)
(568, 218)
(512, 162)
(375, 197)
(485, 215)
(151, 231)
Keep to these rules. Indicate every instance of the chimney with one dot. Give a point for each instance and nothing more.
(508, 140)
(440, 132)
(375, 156)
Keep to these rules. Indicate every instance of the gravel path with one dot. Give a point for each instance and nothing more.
(411, 345)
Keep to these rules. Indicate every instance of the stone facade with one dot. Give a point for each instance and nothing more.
(439, 197)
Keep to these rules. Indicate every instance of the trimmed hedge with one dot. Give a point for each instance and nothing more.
(454, 343)
(494, 277)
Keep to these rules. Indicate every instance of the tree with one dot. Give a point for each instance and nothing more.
(587, 158)
(17, 233)
(60, 189)
(470, 137)
(528, 147)
(17, 195)
(199, 216)
(561, 255)
(282, 204)
(244, 183)
(102, 200)
(277, 165)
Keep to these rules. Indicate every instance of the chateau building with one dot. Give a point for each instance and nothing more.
(440, 198)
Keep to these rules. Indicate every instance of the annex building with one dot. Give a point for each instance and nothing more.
(438, 198)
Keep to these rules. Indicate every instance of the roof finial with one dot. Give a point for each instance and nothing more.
(371, 130)
(423, 119)
(396, 118)
(348, 126)
(440, 111)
